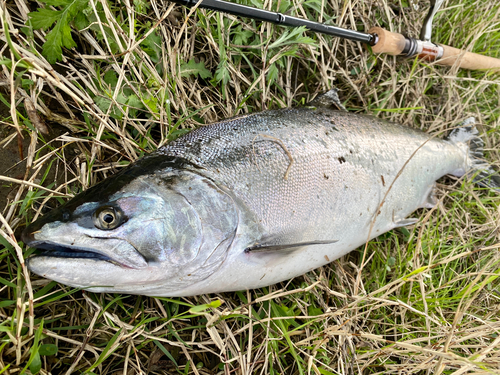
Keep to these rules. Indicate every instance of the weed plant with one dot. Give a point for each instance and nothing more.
(93, 85)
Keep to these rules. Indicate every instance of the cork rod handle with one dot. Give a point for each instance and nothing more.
(388, 42)
(395, 44)
(467, 60)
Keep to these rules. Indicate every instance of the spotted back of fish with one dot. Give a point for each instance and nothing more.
(310, 173)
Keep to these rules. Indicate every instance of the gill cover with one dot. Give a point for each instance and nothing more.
(158, 231)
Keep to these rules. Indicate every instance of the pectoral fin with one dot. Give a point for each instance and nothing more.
(284, 247)
(405, 222)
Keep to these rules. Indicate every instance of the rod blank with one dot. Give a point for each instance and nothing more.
(382, 41)
(279, 19)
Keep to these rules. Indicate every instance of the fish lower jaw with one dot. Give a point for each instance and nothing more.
(97, 276)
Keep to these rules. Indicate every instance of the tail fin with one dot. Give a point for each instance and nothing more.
(482, 173)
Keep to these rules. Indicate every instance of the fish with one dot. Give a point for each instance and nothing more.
(250, 201)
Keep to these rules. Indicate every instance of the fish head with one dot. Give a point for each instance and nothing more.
(143, 234)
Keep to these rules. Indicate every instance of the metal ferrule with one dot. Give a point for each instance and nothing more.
(425, 50)
(411, 47)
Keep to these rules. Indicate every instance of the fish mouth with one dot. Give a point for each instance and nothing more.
(53, 250)
(58, 251)
(116, 251)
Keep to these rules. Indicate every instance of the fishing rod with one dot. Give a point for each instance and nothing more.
(380, 40)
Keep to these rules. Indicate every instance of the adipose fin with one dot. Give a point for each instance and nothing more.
(329, 99)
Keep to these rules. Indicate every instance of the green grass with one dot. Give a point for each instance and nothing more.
(426, 300)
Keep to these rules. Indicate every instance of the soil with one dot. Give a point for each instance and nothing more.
(11, 163)
(13, 158)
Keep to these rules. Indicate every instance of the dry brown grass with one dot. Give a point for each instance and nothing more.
(424, 302)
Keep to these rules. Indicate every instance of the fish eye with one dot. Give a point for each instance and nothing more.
(107, 217)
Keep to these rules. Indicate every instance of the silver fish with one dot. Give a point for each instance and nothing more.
(249, 202)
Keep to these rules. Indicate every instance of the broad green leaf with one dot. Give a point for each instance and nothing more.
(152, 104)
(44, 18)
(222, 73)
(135, 102)
(48, 349)
(56, 3)
(292, 37)
(284, 6)
(121, 99)
(324, 372)
(194, 68)
(81, 21)
(111, 78)
(52, 48)
(36, 364)
(151, 45)
(60, 35)
(67, 40)
(313, 311)
(141, 6)
(102, 103)
(391, 261)
(241, 36)
(272, 73)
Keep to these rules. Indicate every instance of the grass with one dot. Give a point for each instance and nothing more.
(423, 300)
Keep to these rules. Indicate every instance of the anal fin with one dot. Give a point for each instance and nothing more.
(430, 199)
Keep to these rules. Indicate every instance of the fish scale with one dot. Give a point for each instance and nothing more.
(249, 201)
(339, 160)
